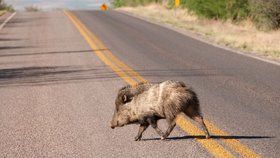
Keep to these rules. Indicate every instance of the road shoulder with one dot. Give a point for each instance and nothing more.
(201, 38)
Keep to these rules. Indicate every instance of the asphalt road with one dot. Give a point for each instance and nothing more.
(57, 95)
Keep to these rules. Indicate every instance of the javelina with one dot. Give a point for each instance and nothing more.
(147, 103)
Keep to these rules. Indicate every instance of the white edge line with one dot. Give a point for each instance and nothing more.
(192, 35)
(7, 20)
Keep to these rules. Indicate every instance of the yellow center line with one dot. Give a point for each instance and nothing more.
(210, 144)
(101, 46)
(126, 73)
(97, 50)
(126, 68)
(232, 143)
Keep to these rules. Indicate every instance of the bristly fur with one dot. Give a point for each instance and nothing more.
(130, 92)
(146, 103)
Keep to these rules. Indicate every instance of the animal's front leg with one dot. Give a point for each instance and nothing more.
(142, 128)
(153, 122)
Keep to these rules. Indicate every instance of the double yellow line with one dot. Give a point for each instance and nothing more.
(132, 78)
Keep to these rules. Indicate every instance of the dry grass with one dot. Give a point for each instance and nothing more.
(2, 12)
(243, 36)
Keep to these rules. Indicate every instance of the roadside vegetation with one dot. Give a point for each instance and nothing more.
(264, 14)
(4, 7)
(134, 3)
(248, 25)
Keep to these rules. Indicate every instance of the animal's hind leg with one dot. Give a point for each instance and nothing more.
(199, 119)
(171, 126)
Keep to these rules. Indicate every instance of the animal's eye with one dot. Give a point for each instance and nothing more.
(124, 98)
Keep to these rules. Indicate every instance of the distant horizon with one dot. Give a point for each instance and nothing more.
(55, 4)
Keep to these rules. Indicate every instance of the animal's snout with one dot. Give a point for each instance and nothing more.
(113, 125)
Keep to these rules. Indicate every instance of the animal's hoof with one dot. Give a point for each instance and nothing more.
(207, 136)
(162, 138)
(137, 138)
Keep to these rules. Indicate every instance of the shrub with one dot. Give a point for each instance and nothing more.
(4, 6)
(118, 3)
(238, 9)
(265, 14)
(217, 9)
(133, 3)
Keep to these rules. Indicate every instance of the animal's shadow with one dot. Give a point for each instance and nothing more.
(212, 137)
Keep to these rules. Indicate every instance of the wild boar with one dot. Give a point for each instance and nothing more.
(146, 103)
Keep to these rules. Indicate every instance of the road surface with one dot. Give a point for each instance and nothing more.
(60, 72)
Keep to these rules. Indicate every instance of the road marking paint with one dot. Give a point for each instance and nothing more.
(112, 57)
(126, 68)
(97, 50)
(101, 45)
(7, 20)
(210, 144)
(232, 143)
